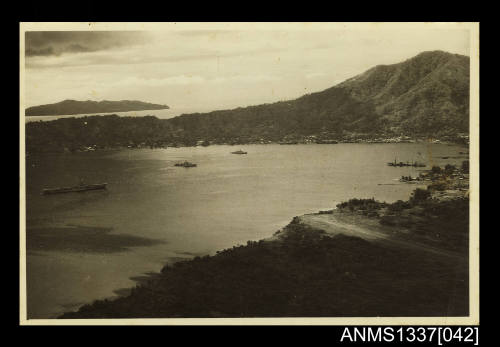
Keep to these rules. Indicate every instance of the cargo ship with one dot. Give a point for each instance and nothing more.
(239, 152)
(79, 188)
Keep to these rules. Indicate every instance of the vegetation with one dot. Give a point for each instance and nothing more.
(360, 204)
(439, 186)
(398, 206)
(449, 169)
(419, 195)
(436, 170)
(368, 207)
(450, 177)
(441, 223)
(418, 97)
(73, 134)
(306, 274)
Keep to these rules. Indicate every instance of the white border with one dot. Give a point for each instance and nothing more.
(472, 319)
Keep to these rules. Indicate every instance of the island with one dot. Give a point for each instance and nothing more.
(68, 107)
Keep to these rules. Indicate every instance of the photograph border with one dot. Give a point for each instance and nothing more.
(473, 27)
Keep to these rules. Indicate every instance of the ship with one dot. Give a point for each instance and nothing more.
(239, 152)
(326, 142)
(401, 164)
(79, 188)
(186, 164)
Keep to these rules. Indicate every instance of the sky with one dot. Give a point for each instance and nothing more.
(217, 66)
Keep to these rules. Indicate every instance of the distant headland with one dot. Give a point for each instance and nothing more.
(67, 107)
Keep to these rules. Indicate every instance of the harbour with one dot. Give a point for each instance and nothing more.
(227, 200)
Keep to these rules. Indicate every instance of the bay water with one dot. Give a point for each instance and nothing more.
(91, 245)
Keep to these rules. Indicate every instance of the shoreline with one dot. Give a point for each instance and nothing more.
(364, 244)
(119, 148)
(87, 133)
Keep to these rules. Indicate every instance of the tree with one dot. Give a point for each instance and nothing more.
(420, 195)
(449, 169)
(436, 170)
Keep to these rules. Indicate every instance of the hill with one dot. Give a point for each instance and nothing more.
(305, 271)
(419, 95)
(78, 107)
(427, 95)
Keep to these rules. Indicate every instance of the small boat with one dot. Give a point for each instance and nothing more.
(79, 188)
(186, 164)
(239, 152)
(409, 179)
(396, 163)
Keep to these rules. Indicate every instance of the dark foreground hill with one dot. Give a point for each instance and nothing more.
(308, 273)
(78, 107)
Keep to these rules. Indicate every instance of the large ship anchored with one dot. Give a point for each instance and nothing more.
(79, 188)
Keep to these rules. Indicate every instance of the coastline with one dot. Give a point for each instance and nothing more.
(340, 262)
(52, 135)
(94, 148)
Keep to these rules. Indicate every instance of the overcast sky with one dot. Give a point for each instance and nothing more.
(215, 69)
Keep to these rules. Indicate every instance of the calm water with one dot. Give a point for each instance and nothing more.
(182, 212)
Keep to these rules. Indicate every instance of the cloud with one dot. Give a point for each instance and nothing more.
(219, 69)
(40, 51)
(53, 49)
(245, 78)
(78, 48)
(315, 74)
(187, 80)
(205, 32)
(44, 43)
(158, 82)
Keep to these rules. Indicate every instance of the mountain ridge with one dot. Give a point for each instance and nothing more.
(423, 95)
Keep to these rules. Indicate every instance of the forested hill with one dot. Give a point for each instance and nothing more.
(425, 96)
(78, 107)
